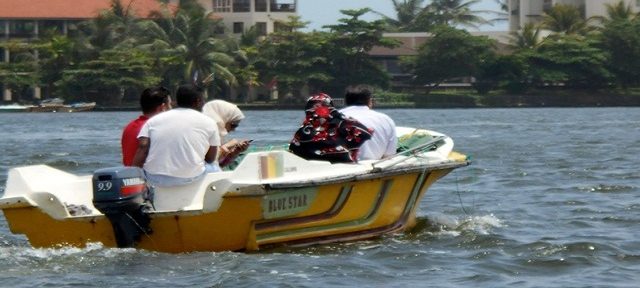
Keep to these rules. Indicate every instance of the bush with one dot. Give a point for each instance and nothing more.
(438, 100)
(392, 97)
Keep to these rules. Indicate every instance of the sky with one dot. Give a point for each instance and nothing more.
(327, 12)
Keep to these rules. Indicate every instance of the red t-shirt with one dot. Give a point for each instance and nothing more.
(129, 139)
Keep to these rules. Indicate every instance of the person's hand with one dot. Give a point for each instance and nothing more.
(231, 150)
(242, 145)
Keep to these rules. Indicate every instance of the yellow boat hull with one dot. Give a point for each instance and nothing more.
(335, 212)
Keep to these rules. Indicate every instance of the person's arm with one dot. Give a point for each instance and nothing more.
(231, 150)
(141, 152)
(392, 141)
(211, 154)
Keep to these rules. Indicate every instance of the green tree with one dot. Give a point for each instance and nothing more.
(112, 27)
(619, 11)
(244, 69)
(570, 60)
(503, 5)
(99, 49)
(57, 54)
(292, 59)
(407, 14)
(22, 71)
(621, 39)
(456, 12)
(348, 47)
(527, 38)
(107, 79)
(188, 48)
(450, 53)
(502, 14)
(565, 19)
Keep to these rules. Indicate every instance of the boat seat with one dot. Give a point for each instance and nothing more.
(55, 192)
(188, 197)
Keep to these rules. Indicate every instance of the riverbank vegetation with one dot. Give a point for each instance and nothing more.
(566, 60)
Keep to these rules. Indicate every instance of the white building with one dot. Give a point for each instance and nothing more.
(531, 11)
(240, 15)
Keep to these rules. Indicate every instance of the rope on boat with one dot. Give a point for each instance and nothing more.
(141, 229)
(432, 144)
(460, 196)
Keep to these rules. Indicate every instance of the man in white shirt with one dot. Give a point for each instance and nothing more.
(175, 147)
(384, 141)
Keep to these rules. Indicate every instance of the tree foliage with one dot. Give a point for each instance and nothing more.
(572, 60)
(566, 19)
(105, 79)
(292, 59)
(414, 16)
(527, 38)
(189, 48)
(348, 46)
(23, 70)
(621, 40)
(118, 53)
(455, 12)
(449, 54)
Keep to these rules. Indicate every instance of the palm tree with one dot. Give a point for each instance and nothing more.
(456, 12)
(112, 27)
(187, 43)
(22, 71)
(504, 5)
(527, 38)
(407, 12)
(564, 19)
(503, 13)
(619, 11)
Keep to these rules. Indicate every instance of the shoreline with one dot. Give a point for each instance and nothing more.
(455, 100)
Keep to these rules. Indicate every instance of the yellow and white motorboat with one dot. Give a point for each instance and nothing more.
(271, 198)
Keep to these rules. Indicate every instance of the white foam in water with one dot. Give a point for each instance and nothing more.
(45, 253)
(481, 224)
(453, 226)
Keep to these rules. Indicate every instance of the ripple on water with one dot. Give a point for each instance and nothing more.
(555, 193)
(606, 188)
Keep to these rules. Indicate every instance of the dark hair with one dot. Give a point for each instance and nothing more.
(188, 96)
(151, 98)
(357, 95)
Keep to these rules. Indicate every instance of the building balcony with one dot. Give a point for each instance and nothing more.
(283, 6)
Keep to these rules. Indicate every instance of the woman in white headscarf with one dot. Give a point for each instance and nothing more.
(227, 116)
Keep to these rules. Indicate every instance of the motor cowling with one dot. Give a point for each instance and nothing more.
(124, 196)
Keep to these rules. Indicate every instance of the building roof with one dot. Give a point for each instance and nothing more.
(69, 9)
(411, 42)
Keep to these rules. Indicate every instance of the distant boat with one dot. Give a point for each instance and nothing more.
(14, 108)
(57, 105)
(82, 106)
(52, 102)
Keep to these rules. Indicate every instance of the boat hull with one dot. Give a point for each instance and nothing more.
(270, 198)
(289, 216)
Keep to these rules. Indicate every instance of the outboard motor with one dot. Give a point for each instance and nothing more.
(123, 195)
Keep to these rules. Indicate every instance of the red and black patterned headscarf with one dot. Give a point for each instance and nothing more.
(327, 134)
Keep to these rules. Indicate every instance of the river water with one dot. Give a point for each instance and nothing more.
(552, 199)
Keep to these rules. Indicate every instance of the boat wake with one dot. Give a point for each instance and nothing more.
(26, 254)
(440, 224)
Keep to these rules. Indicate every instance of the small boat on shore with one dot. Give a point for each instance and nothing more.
(57, 105)
(82, 106)
(13, 108)
(271, 198)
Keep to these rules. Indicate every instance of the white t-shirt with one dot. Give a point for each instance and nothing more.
(179, 140)
(384, 140)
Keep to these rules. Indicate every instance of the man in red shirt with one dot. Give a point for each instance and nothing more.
(152, 101)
